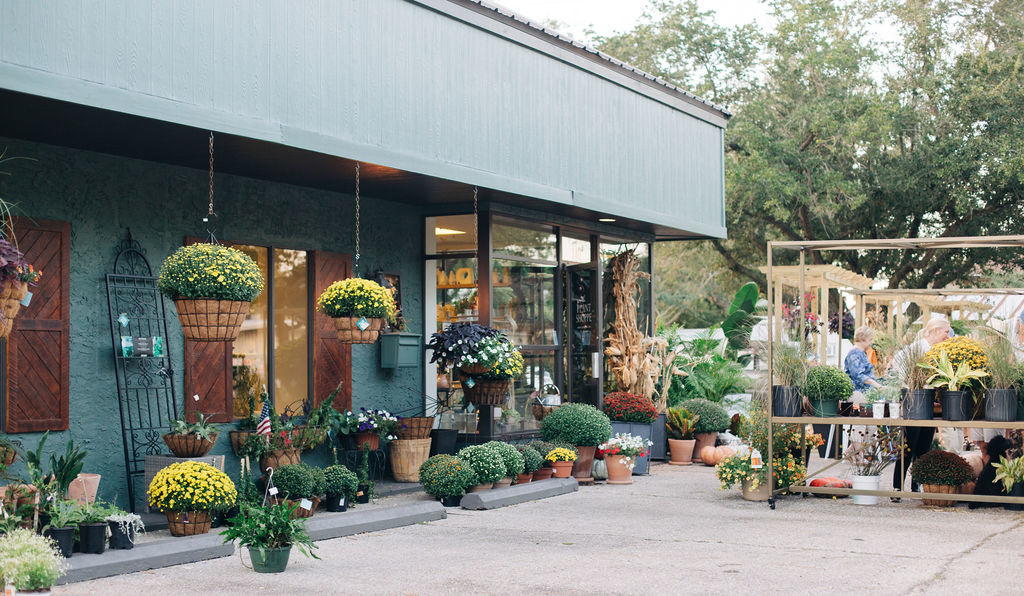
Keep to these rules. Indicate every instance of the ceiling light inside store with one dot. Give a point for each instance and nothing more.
(447, 232)
(607, 219)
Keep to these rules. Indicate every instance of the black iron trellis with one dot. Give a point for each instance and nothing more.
(145, 384)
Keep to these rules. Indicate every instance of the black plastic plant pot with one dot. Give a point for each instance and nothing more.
(786, 401)
(363, 496)
(443, 441)
(451, 501)
(336, 503)
(1018, 491)
(1001, 405)
(956, 405)
(917, 404)
(121, 536)
(65, 539)
(93, 538)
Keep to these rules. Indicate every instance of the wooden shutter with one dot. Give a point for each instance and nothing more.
(208, 374)
(332, 360)
(37, 374)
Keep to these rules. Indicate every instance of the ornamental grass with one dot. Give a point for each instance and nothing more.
(210, 271)
(356, 297)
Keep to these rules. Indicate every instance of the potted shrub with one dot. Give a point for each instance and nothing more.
(187, 439)
(826, 386)
(869, 454)
(186, 492)
(125, 527)
(28, 561)
(580, 425)
(512, 460)
(301, 485)
(269, 533)
(789, 369)
(364, 489)
(620, 454)
(456, 346)
(711, 420)
(941, 471)
(211, 286)
(1011, 473)
(359, 308)
(1004, 375)
(632, 414)
(953, 373)
(486, 463)
(340, 487)
(446, 477)
(503, 363)
(62, 525)
(15, 276)
(679, 424)
(562, 461)
(532, 461)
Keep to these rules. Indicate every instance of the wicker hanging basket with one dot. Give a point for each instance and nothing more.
(474, 369)
(188, 523)
(485, 392)
(11, 295)
(350, 333)
(416, 428)
(279, 457)
(211, 320)
(189, 445)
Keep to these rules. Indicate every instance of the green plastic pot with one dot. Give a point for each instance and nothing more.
(825, 408)
(269, 560)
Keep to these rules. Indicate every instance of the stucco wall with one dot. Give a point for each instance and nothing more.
(103, 195)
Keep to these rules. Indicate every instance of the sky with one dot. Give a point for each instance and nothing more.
(612, 16)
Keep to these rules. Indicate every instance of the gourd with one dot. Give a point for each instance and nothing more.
(600, 470)
(712, 456)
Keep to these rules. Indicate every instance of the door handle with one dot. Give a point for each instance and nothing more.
(595, 362)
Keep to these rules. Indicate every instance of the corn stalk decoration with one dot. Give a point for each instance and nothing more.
(637, 361)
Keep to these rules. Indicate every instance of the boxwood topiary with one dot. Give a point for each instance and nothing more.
(319, 480)
(294, 481)
(713, 417)
(339, 480)
(941, 467)
(827, 382)
(532, 460)
(446, 476)
(485, 462)
(513, 460)
(577, 424)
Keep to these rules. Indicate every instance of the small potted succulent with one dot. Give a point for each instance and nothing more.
(211, 286)
(29, 562)
(359, 308)
(512, 459)
(826, 386)
(446, 477)
(191, 439)
(581, 425)
(711, 420)
(269, 533)
(486, 463)
(941, 471)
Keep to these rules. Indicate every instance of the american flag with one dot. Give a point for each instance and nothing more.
(263, 428)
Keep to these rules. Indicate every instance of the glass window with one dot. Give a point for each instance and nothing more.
(291, 322)
(249, 352)
(524, 302)
(456, 291)
(539, 370)
(575, 251)
(450, 233)
(531, 243)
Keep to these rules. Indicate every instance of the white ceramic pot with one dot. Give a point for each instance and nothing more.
(865, 483)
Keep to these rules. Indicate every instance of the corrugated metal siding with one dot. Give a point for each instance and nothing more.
(385, 79)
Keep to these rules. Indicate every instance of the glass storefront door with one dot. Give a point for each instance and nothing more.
(583, 333)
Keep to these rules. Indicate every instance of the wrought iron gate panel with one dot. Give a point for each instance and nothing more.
(145, 384)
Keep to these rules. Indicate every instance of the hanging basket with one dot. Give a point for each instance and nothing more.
(485, 392)
(474, 369)
(416, 427)
(211, 320)
(188, 523)
(189, 445)
(350, 333)
(11, 295)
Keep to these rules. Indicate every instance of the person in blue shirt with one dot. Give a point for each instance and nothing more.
(858, 366)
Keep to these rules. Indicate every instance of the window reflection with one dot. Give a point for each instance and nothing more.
(291, 321)
(249, 352)
(538, 244)
(524, 302)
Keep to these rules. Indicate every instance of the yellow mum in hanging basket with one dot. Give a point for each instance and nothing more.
(191, 486)
(356, 297)
(210, 271)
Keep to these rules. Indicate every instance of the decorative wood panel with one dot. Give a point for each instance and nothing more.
(332, 360)
(38, 375)
(208, 374)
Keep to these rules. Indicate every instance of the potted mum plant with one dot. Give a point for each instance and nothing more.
(211, 286)
(187, 439)
(634, 415)
(711, 420)
(340, 486)
(562, 460)
(679, 424)
(269, 533)
(581, 425)
(300, 485)
(941, 471)
(620, 454)
(512, 459)
(953, 374)
(28, 561)
(826, 386)
(359, 308)
(532, 461)
(486, 463)
(186, 492)
(446, 477)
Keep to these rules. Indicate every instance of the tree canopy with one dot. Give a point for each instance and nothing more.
(840, 134)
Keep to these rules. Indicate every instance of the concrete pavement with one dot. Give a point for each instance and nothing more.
(673, 532)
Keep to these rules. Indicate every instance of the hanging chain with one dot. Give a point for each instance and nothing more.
(357, 220)
(211, 217)
(476, 231)
(211, 174)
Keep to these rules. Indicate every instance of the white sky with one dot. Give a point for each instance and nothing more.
(614, 16)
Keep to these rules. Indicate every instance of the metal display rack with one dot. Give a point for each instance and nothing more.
(930, 244)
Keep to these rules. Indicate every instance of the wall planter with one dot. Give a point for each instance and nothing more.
(640, 430)
(11, 295)
(659, 438)
(1001, 405)
(401, 350)
(956, 405)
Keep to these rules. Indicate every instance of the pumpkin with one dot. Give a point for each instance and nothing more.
(712, 456)
(830, 482)
(599, 471)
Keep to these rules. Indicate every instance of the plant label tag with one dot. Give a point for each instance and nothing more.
(272, 491)
(342, 501)
(28, 298)
(10, 590)
(306, 504)
(123, 319)
(755, 460)
(470, 382)
(363, 324)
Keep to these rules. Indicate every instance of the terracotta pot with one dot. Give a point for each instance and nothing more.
(506, 481)
(279, 457)
(761, 493)
(11, 295)
(189, 445)
(584, 462)
(543, 473)
(479, 488)
(524, 478)
(702, 440)
(211, 320)
(83, 488)
(349, 332)
(188, 523)
(681, 451)
(407, 455)
(562, 469)
(939, 488)
(368, 436)
(620, 469)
